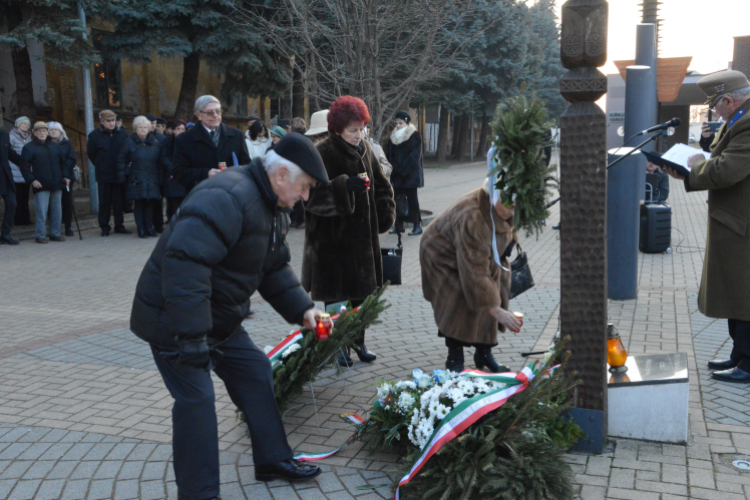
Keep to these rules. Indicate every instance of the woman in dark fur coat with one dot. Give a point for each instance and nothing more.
(342, 261)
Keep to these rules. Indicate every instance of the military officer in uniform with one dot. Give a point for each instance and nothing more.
(726, 176)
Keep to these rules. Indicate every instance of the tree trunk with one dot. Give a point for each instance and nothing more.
(21, 68)
(443, 129)
(298, 93)
(286, 102)
(189, 87)
(458, 121)
(262, 108)
(484, 134)
(463, 133)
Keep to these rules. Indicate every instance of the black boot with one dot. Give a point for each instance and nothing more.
(345, 359)
(483, 358)
(291, 470)
(417, 229)
(363, 353)
(455, 361)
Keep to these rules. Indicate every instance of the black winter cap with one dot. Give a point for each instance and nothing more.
(284, 123)
(161, 121)
(150, 117)
(252, 117)
(300, 150)
(404, 116)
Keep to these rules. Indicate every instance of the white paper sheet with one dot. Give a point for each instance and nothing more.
(679, 154)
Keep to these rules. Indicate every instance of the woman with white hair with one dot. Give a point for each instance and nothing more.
(139, 166)
(19, 137)
(68, 158)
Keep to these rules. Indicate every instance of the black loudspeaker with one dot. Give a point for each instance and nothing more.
(656, 228)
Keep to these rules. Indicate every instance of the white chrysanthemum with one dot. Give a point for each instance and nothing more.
(406, 401)
(384, 390)
(442, 411)
(406, 384)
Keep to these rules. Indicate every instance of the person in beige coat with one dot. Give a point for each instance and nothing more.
(726, 176)
(468, 289)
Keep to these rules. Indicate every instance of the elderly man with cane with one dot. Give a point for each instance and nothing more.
(225, 242)
(726, 176)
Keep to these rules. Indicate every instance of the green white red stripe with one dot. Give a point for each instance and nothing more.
(275, 353)
(465, 414)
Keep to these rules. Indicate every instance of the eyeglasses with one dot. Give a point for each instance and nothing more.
(212, 112)
(712, 107)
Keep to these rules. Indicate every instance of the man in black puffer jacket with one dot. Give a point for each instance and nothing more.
(102, 148)
(226, 241)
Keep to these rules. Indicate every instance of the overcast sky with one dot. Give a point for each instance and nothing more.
(703, 29)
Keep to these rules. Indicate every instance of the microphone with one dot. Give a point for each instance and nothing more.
(674, 122)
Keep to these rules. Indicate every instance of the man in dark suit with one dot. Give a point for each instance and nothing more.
(199, 151)
(103, 146)
(7, 186)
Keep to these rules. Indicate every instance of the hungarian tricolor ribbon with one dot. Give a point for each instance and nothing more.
(354, 419)
(468, 412)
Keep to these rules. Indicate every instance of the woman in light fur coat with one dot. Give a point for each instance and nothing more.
(404, 152)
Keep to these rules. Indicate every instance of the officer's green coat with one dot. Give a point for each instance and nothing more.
(725, 284)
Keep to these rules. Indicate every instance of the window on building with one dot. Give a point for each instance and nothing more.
(107, 78)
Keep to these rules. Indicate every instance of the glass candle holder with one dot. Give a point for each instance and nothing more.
(616, 353)
(323, 326)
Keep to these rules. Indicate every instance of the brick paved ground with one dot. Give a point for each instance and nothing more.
(85, 415)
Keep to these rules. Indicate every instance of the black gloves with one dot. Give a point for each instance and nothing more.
(356, 185)
(194, 353)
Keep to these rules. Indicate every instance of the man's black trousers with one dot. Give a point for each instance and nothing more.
(740, 333)
(110, 200)
(247, 375)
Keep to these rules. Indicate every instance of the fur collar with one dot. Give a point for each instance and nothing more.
(410, 129)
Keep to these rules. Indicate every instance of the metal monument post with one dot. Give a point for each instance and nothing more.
(89, 116)
(583, 213)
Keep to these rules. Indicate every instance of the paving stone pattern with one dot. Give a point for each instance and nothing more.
(85, 415)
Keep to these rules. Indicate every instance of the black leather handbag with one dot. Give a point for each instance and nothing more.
(520, 279)
(392, 263)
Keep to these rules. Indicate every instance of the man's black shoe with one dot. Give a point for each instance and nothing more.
(721, 365)
(735, 375)
(556, 226)
(7, 240)
(122, 230)
(105, 231)
(183, 497)
(291, 470)
(69, 232)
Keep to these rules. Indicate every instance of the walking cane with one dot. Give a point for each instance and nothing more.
(73, 208)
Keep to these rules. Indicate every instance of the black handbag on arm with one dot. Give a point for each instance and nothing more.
(520, 272)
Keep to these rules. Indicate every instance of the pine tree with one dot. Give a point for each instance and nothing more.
(195, 30)
(53, 23)
(545, 46)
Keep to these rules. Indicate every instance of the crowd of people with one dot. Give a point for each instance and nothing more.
(155, 164)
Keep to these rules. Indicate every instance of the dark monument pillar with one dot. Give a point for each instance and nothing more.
(583, 212)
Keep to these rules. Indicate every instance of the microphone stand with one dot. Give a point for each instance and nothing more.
(661, 133)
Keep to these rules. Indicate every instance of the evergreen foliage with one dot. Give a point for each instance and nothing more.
(54, 23)
(197, 30)
(523, 177)
(512, 453)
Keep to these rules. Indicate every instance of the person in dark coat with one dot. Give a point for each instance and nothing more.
(404, 153)
(44, 168)
(173, 191)
(342, 259)
(226, 241)
(139, 166)
(7, 184)
(68, 155)
(103, 147)
(200, 150)
(19, 137)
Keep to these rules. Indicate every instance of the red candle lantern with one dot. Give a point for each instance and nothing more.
(364, 177)
(323, 326)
